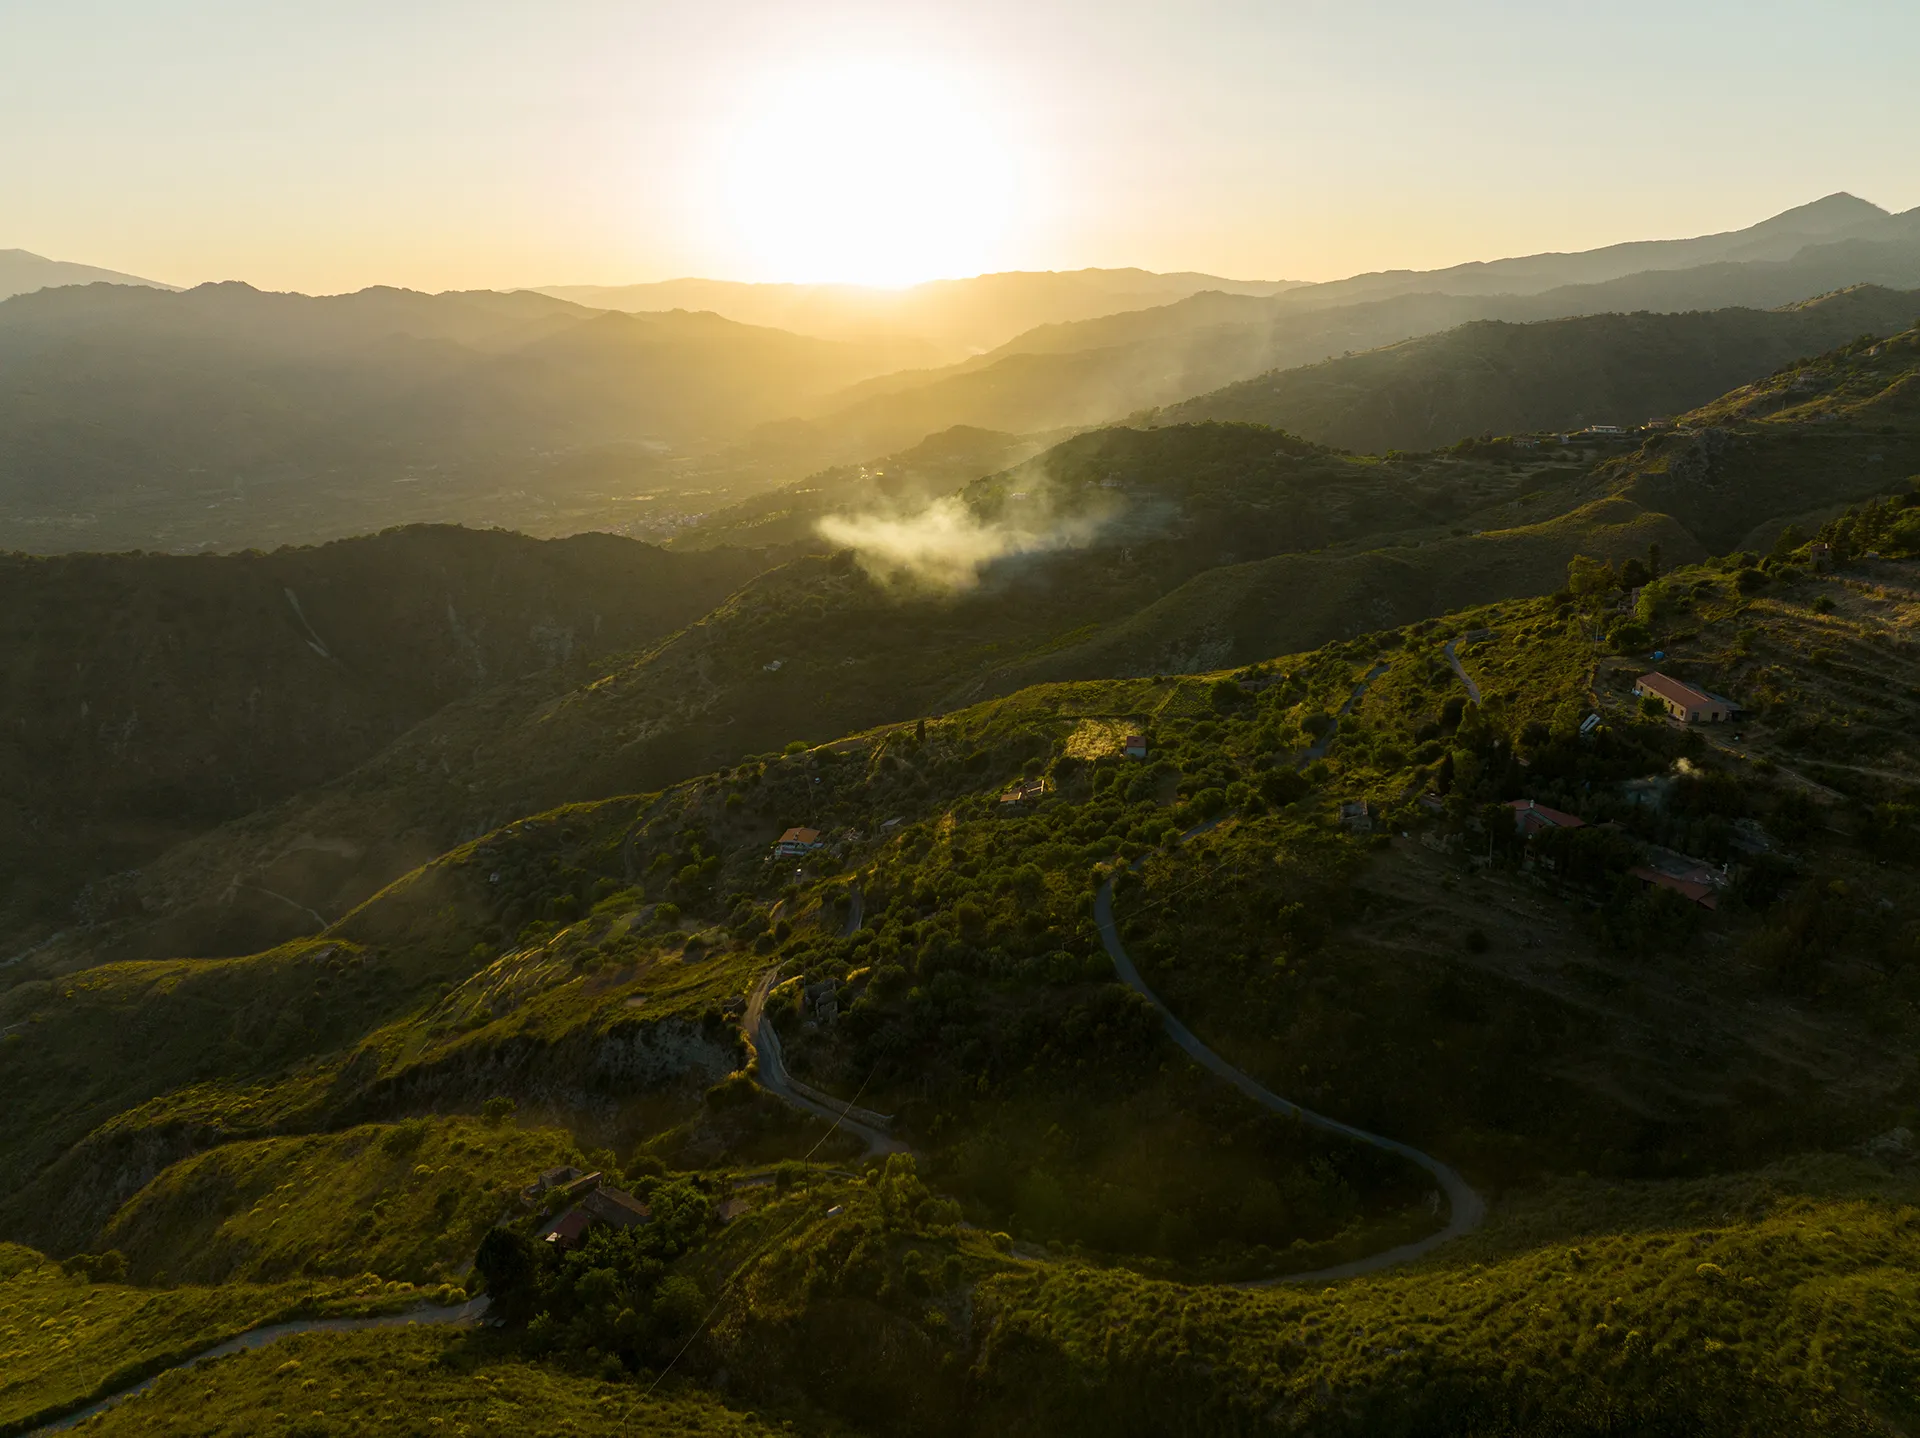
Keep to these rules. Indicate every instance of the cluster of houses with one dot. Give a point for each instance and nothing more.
(587, 1201)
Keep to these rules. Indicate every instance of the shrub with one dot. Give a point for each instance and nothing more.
(108, 1267)
(497, 1110)
(1208, 802)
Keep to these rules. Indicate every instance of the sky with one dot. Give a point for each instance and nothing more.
(332, 144)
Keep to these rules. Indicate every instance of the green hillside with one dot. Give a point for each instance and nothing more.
(1631, 1097)
(809, 650)
(1119, 551)
(1499, 378)
(1236, 614)
(1689, 1123)
(147, 697)
(1799, 445)
(68, 1337)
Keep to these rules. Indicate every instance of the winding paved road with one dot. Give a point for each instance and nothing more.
(465, 1314)
(1466, 1209)
(774, 1078)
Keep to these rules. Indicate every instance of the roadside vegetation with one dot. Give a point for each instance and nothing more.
(407, 1201)
(73, 1332)
(418, 1383)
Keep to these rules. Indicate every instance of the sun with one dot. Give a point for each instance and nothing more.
(876, 172)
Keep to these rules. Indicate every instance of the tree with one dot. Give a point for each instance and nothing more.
(497, 1110)
(510, 1264)
(1587, 576)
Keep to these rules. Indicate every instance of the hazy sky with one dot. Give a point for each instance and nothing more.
(335, 143)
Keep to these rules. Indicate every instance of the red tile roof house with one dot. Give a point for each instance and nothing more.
(1683, 701)
(568, 1229)
(796, 842)
(1690, 878)
(1700, 893)
(596, 1203)
(1135, 747)
(1530, 818)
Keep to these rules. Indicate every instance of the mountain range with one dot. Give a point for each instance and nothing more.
(953, 318)
(224, 417)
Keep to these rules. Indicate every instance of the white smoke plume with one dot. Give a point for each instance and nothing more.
(946, 546)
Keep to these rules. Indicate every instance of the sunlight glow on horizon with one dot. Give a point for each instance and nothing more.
(878, 171)
(511, 143)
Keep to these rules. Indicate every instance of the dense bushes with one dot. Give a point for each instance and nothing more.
(613, 1295)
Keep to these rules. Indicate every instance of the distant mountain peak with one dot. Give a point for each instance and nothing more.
(22, 272)
(1838, 211)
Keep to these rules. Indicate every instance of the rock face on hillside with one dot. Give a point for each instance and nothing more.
(144, 698)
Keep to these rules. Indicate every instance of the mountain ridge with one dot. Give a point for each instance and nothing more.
(23, 272)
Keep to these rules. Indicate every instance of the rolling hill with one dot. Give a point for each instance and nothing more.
(814, 647)
(224, 416)
(1082, 375)
(1497, 378)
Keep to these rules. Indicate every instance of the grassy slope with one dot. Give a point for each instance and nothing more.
(408, 1201)
(416, 1382)
(1546, 1045)
(397, 1013)
(1803, 1321)
(572, 1015)
(1242, 613)
(851, 653)
(64, 1340)
(1817, 434)
(1776, 1302)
